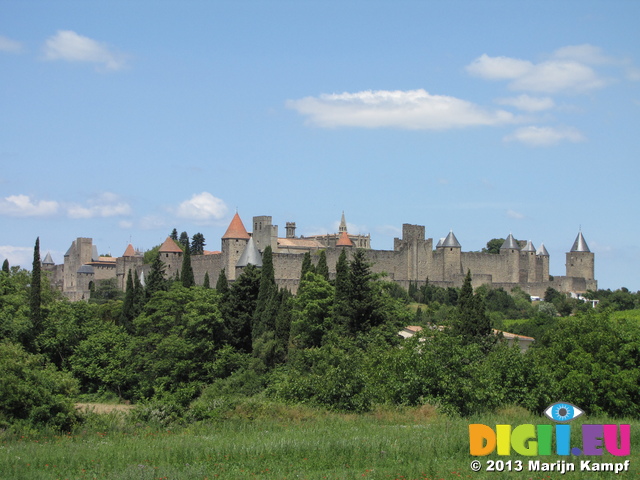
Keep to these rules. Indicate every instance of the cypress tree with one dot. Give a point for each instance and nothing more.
(205, 282)
(222, 285)
(128, 305)
(363, 304)
(5, 266)
(307, 266)
(156, 280)
(341, 297)
(264, 319)
(35, 303)
(322, 268)
(187, 271)
(174, 235)
(472, 322)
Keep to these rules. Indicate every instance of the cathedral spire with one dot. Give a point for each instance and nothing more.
(343, 224)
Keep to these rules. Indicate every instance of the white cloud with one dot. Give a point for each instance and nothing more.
(568, 70)
(527, 103)
(71, 47)
(125, 224)
(499, 68)
(411, 109)
(585, 53)
(24, 206)
(106, 204)
(9, 46)
(515, 215)
(202, 207)
(545, 136)
(22, 256)
(389, 230)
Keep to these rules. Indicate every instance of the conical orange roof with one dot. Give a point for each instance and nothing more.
(236, 229)
(169, 246)
(344, 240)
(129, 252)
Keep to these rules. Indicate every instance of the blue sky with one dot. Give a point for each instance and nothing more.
(122, 120)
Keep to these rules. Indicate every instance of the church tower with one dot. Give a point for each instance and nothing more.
(580, 260)
(234, 242)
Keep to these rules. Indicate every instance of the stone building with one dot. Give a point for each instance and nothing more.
(414, 259)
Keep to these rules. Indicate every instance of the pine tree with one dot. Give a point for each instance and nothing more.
(174, 235)
(5, 266)
(183, 242)
(322, 268)
(197, 244)
(187, 271)
(238, 311)
(138, 296)
(206, 282)
(36, 290)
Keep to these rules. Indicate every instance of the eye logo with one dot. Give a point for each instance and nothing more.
(563, 412)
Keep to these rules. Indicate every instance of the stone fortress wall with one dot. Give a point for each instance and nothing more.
(413, 259)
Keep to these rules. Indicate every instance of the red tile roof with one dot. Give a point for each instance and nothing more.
(236, 229)
(344, 240)
(129, 252)
(169, 246)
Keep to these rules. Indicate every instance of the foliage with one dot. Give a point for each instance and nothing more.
(186, 274)
(493, 246)
(197, 244)
(32, 390)
(150, 255)
(35, 295)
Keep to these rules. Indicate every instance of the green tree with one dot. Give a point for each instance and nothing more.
(240, 307)
(307, 265)
(222, 286)
(471, 322)
(186, 274)
(128, 305)
(312, 311)
(183, 241)
(174, 235)
(35, 301)
(5, 266)
(197, 244)
(206, 283)
(34, 391)
(156, 281)
(341, 297)
(493, 246)
(362, 302)
(322, 268)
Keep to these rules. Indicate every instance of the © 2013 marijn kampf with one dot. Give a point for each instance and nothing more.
(537, 440)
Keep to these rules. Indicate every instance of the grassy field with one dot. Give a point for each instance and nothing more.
(269, 441)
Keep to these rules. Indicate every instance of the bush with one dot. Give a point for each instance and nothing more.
(33, 391)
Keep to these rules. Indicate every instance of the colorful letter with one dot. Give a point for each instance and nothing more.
(478, 435)
(611, 440)
(523, 439)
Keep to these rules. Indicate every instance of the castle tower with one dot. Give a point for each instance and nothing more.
(171, 255)
(511, 251)
(542, 264)
(580, 260)
(79, 253)
(291, 229)
(452, 266)
(234, 241)
(130, 260)
(250, 255)
(264, 232)
(528, 263)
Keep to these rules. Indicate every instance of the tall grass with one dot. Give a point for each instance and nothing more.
(271, 441)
